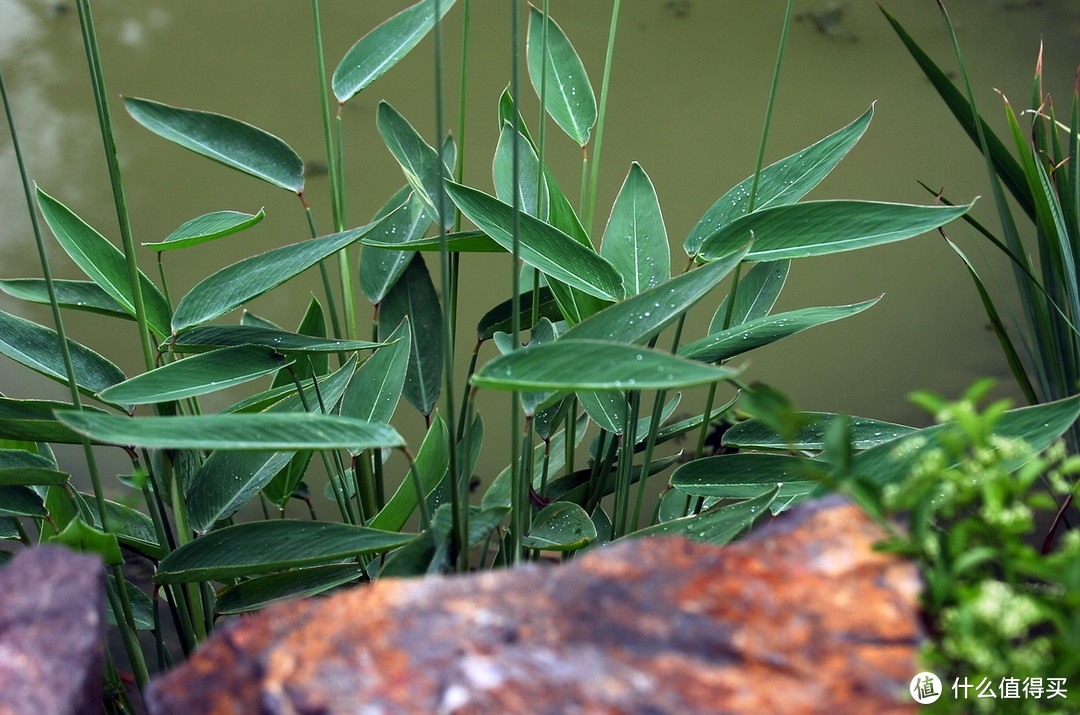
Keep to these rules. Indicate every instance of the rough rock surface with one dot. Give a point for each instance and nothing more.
(51, 632)
(801, 618)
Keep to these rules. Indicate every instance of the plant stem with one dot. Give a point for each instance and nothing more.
(516, 477)
(331, 304)
(605, 83)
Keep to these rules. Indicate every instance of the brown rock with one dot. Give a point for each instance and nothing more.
(801, 618)
(51, 632)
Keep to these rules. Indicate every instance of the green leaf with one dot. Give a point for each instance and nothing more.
(132, 528)
(784, 182)
(498, 494)
(211, 337)
(815, 228)
(379, 50)
(532, 186)
(234, 285)
(226, 140)
(542, 246)
(419, 161)
(500, 318)
(299, 583)
(716, 526)
(762, 331)
(263, 546)
(32, 476)
(103, 262)
(865, 433)
(645, 315)
(38, 348)
(461, 242)
(77, 295)
(756, 295)
(375, 389)
(197, 375)
(560, 526)
(432, 461)
(80, 536)
(312, 325)
(142, 607)
(33, 421)
(745, 475)
(569, 97)
(262, 431)
(21, 501)
(586, 365)
(635, 239)
(207, 227)
(414, 297)
(380, 268)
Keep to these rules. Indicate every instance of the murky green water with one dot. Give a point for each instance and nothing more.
(689, 86)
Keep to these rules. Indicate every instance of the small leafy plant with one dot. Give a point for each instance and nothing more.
(578, 340)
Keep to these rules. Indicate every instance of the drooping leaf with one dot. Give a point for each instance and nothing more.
(226, 140)
(103, 262)
(865, 433)
(234, 285)
(77, 295)
(264, 546)
(569, 97)
(718, 525)
(207, 227)
(755, 297)
(585, 365)
(379, 50)
(211, 337)
(560, 526)
(263, 431)
(635, 239)
(815, 228)
(380, 268)
(531, 183)
(784, 182)
(419, 161)
(542, 246)
(762, 331)
(414, 297)
(431, 462)
(197, 375)
(261, 591)
(375, 389)
(38, 348)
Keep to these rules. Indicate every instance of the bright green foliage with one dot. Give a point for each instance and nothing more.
(207, 227)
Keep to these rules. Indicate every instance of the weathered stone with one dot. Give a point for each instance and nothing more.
(51, 632)
(802, 617)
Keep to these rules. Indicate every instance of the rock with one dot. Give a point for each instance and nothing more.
(801, 617)
(51, 632)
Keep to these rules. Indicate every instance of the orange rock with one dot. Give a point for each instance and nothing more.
(802, 617)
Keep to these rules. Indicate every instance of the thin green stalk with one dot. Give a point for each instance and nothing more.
(650, 445)
(331, 304)
(459, 166)
(626, 467)
(584, 180)
(570, 430)
(466, 400)
(335, 476)
(421, 497)
(517, 508)
(602, 110)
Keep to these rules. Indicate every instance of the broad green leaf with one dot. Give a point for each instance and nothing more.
(264, 546)
(542, 246)
(197, 375)
(635, 239)
(419, 161)
(18, 500)
(234, 285)
(80, 536)
(532, 185)
(569, 97)
(286, 483)
(500, 318)
(560, 526)
(541, 333)
(755, 296)
(211, 337)
(253, 594)
(784, 182)
(227, 479)
(312, 325)
(431, 462)
(606, 408)
(381, 268)
(207, 227)
(226, 140)
(132, 528)
(375, 389)
(142, 607)
(643, 316)
(78, 295)
(814, 228)
(762, 331)
(22, 458)
(461, 242)
(33, 421)
(498, 493)
(32, 476)
(1038, 426)
(38, 348)
(745, 475)
(263, 431)
(718, 525)
(103, 262)
(379, 50)
(586, 365)
(865, 433)
(414, 297)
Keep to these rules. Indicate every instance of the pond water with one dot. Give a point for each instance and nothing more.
(689, 87)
